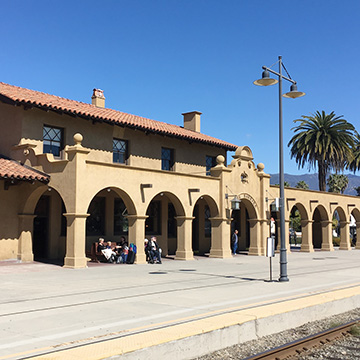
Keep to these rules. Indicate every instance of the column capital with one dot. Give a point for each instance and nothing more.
(137, 217)
(344, 222)
(75, 215)
(184, 217)
(306, 222)
(325, 222)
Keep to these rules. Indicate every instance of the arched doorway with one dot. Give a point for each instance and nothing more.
(161, 221)
(298, 217)
(204, 210)
(342, 221)
(49, 228)
(245, 220)
(319, 215)
(108, 216)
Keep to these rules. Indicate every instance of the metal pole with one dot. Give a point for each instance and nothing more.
(283, 261)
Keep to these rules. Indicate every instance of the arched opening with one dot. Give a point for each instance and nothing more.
(354, 225)
(107, 218)
(319, 215)
(204, 209)
(241, 221)
(161, 221)
(341, 230)
(49, 228)
(297, 215)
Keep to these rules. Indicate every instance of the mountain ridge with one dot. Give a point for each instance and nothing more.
(312, 181)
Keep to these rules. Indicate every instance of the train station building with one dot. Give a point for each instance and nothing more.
(71, 172)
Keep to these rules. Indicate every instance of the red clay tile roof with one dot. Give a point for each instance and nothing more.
(52, 102)
(11, 169)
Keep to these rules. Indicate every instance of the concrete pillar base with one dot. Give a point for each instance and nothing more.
(140, 258)
(327, 247)
(345, 247)
(254, 251)
(184, 255)
(307, 248)
(26, 257)
(220, 253)
(75, 262)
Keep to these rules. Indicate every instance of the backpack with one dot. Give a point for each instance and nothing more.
(133, 248)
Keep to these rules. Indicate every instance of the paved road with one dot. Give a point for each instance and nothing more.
(45, 306)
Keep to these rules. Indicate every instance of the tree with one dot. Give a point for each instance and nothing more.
(357, 189)
(302, 185)
(338, 183)
(323, 141)
(286, 184)
(354, 162)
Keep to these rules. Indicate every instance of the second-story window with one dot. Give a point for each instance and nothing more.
(210, 162)
(167, 159)
(120, 151)
(52, 140)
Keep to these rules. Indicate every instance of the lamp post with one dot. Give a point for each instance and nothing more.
(293, 93)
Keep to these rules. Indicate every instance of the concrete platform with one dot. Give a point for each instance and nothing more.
(178, 309)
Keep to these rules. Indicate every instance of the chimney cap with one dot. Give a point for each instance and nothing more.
(192, 112)
(98, 93)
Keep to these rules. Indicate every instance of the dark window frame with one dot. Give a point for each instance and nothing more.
(210, 161)
(167, 159)
(120, 157)
(154, 219)
(95, 223)
(121, 223)
(53, 143)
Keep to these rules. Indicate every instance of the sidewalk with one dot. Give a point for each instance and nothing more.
(177, 309)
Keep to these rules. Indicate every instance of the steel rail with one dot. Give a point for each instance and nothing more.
(294, 348)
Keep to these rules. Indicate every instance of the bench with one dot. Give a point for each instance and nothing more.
(96, 255)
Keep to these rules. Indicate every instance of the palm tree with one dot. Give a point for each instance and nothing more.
(322, 140)
(354, 163)
(337, 183)
(302, 185)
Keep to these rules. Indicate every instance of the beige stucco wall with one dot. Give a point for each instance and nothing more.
(144, 150)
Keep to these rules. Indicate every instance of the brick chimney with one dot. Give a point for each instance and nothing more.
(192, 120)
(98, 98)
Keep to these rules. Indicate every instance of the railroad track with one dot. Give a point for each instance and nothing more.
(295, 348)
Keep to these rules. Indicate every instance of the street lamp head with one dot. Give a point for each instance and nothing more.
(293, 93)
(266, 80)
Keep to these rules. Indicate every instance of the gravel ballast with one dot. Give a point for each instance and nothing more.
(346, 348)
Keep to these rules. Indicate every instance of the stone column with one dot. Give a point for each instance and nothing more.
(306, 238)
(75, 241)
(25, 247)
(357, 246)
(137, 236)
(184, 236)
(255, 248)
(345, 235)
(220, 238)
(326, 231)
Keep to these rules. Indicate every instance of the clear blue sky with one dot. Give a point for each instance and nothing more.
(159, 58)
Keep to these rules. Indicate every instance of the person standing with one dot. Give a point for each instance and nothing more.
(234, 241)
